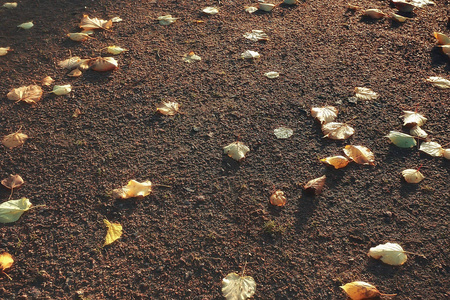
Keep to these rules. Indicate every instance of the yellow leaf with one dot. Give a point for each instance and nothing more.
(412, 176)
(114, 232)
(10, 211)
(168, 108)
(26, 25)
(337, 162)
(359, 290)
(278, 198)
(4, 50)
(133, 189)
(360, 155)
(6, 261)
(115, 50)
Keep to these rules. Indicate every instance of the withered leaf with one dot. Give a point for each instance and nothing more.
(278, 198)
(103, 64)
(315, 186)
(360, 154)
(412, 176)
(359, 290)
(337, 162)
(324, 114)
(364, 93)
(15, 139)
(168, 108)
(236, 150)
(337, 131)
(114, 232)
(94, 23)
(389, 253)
(412, 118)
(29, 94)
(13, 182)
(133, 189)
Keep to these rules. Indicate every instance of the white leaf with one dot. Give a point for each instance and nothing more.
(4, 50)
(365, 93)
(337, 131)
(166, 20)
(411, 118)
(191, 57)
(251, 9)
(439, 82)
(210, 10)
(115, 50)
(73, 62)
(26, 25)
(10, 5)
(133, 189)
(256, 35)
(116, 20)
(389, 253)
(272, 75)
(422, 3)
(432, 148)
(283, 132)
(250, 54)
(419, 132)
(235, 287)
(374, 13)
(266, 6)
(236, 150)
(78, 36)
(412, 176)
(60, 90)
(324, 114)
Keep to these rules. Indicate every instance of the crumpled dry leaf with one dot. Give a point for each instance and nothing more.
(249, 54)
(278, 198)
(210, 10)
(403, 6)
(75, 73)
(29, 94)
(94, 23)
(235, 287)
(412, 176)
(283, 132)
(411, 118)
(10, 211)
(439, 82)
(166, 20)
(256, 35)
(324, 114)
(13, 182)
(364, 93)
(374, 13)
(441, 38)
(15, 139)
(133, 189)
(6, 261)
(272, 75)
(359, 290)
(168, 108)
(74, 62)
(60, 90)
(337, 131)
(10, 5)
(236, 150)
(401, 139)
(251, 9)
(337, 162)
(191, 57)
(389, 253)
(422, 3)
(115, 50)
(47, 81)
(315, 186)
(360, 155)
(114, 232)
(266, 6)
(26, 25)
(419, 132)
(4, 50)
(78, 36)
(432, 148)
(103, 64)
(398, 18)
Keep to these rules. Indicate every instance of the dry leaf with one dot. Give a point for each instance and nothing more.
(272, 75)
(13, 182)
(250, 55)
(166, 20)
(10, 211)
(236, 150)
(73, 62)
(359, 290)
(78, 36)
(75, 73)
(278, 198)
(283, 132)
(419, 132)
(439, 82)
(447, 153)
(365, 93)
(76, 113)
(337, 131)
(360, 155)
(315, 186)
(337, 162)
(13, 140)
(412, 176)
(324, 114)
(389, 253)
(103, 64)
(169, 108)
(60, 90)
(256, 35)
(401, 139)
(10, 5)
(411, 118)
(235, 287)
(4, 50)
(116, 20)
(29, 94)
(26, 25)
(114, 232)
(47, 81)
(398, 18)
(251, 9)
(403, 6)
(432, 148)
(210, 10)
(133, 189)
(266, 6)
(374, 13)
(422, 3)
(441, 38)
(94, 23)
(191, 57)
(6, 261)
(115, 50)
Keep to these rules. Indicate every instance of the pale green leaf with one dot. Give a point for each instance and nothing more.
(10, 211)
(401, 140)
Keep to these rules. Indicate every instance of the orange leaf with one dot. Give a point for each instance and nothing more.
(6, 261)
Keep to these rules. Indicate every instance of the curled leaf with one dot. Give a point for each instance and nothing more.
(249, 54)
(169, 108)
(389, 253)
(256, 35)
(412, 176)
(6, 261)
(29, 94)
(60, 90)
(15, 139)
(26, 25)
(315, 186)
(419, 132)
(272, 75)
(114, 232)
(398, 18)
(13, 182)
(432, 148)
(411, 118)
(10, 211)
(236, 150)
(75, 73)
(115, 50)
(337, 162)
(47, 81)
(278, 198)
(4, 50)
(73, 62)
(210, 10)
(337, 131)
(133, 189)
(403, 6)
(251, 9)
(439, 82)
(441, 38)
(10, 5)
(374, 13)
(235, 287)
(78, 36)
(166, 20)
(103, 64)
(94, 23)
(324, 114)
(191, 57)
(266, 6)
(283, 132)
(359, 290)
(364, 93)
(360, 155)
(401, 139)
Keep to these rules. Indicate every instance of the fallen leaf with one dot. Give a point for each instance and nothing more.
(115, 50)
(251, 9)
(256, 35)
(389, 253)
(166, 20)
(439, 82)
(401, 139)
(76, 113)
(94, 23)
(60, 90)
(133, 189)
(272, 75)
(266, 6)
(432, 148)
(26, 25)
(47, 81)
(411, 118)
(364, 93)
(78, 36)
(10, 5)
(235, 287)
(236, 150)
(210, 10)
(103, 64)
(315, 186)
(398, 18)
(10, 211)
(360, 155)
(169, 108)
(278, 198)
(191, 57)
(4, 50)
(422, 3)
(419, 132)
(324, 114)
(73, 62)
(6, 261)
(114, 232)
(337, 131)
(441, 38)
(403, 6)
(374, 13)
(447, 153)
(116, 20)
(13, 182)
(412, 176)
(283, 132)
(250, 55)
(13, 140)
(29, 94)
(359, 290)
(337, 162)
(75, 73)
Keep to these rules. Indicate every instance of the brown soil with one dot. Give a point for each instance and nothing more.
(180, 241)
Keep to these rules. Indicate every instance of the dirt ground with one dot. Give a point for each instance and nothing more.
(213, 216)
